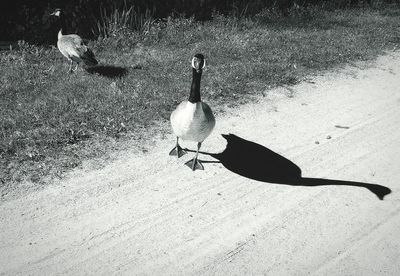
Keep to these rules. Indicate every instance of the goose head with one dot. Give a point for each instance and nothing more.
(57, 12)
(198, 62)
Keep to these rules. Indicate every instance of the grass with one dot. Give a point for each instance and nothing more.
(51, 121)
(119, 20)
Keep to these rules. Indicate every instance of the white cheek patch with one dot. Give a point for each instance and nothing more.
(193, 63)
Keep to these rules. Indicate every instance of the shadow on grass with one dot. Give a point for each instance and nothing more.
(257, 162)
(109, 71)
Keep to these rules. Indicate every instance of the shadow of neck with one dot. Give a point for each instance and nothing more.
(257, 162)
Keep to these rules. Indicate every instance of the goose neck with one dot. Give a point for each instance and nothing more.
(194, 96)
(62, 26)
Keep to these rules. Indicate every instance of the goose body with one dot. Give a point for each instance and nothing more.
(192, 120)
(72, 46)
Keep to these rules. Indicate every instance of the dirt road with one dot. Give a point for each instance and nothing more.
(148, 214)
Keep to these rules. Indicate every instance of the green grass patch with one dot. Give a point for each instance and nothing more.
(51, 121)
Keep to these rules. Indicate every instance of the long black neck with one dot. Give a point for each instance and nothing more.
(194, 96)
(62, 25)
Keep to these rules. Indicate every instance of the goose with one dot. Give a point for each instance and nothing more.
(72, 45)
(192, 120)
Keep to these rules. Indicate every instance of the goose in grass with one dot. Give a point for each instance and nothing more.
(72, 45)
(193, 119)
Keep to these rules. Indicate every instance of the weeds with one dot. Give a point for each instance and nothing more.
(117, 21)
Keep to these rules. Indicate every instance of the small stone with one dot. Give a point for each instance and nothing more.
(113, 85)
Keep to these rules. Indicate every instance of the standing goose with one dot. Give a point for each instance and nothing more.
(193, 120)
(72, 46)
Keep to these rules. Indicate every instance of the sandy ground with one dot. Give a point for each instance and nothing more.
(148, 214)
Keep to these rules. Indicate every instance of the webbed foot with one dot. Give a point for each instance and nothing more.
(194, 164)
(177, 151)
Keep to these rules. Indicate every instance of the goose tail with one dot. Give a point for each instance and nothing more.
(89, 58)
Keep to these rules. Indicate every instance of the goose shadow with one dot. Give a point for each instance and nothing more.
(257, 162)
(109, 71)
